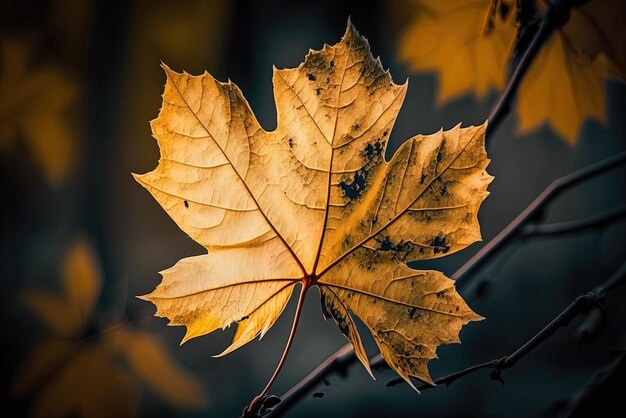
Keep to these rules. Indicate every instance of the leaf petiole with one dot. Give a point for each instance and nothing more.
(256, 403)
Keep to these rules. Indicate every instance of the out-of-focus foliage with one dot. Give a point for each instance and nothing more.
(34, 105)
(465, 44)
(469, 43)
(315, 202)
(85, 370)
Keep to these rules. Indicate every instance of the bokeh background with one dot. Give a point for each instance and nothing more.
(79, 82)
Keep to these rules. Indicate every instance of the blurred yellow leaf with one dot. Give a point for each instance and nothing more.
(67, 313)
(78, 372)
(33, 106)
(564, 85)
(88, 383)
(468, 45)
(148, 358)
(315, 202)
(458, 41)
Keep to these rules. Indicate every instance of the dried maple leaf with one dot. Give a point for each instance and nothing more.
(468, 43)
(72, 373)
(314, 202)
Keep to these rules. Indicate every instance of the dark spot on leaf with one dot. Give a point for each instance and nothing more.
(318, 91)
(440, 244)
(373, 149)
(356, 127)
(330, 311)
(400, 250)
(504, 10)
(423, 178)
(328, 79)
(318, 395)
(186, 204)
(412, 312)
(325, 311)
(352, 190)
(444, 189)
(332, 63)
(385, 133)
(311, 77)
(290, 142)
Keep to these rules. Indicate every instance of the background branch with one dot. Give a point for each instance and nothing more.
(584, 403)
(591, 222)
(532, 212)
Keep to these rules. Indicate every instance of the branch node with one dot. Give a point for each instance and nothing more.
(496, 370)
(264, 406)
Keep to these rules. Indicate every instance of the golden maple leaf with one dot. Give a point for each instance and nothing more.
(34, 106)
(72, 373)
(468, 43)
(314, 202)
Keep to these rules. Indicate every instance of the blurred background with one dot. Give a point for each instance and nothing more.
(79, 81)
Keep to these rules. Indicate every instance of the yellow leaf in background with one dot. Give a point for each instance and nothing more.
(598, 28)
(148, 358)
(88, 384)
(561, 90)
(43, 358)
(67, 313)
(315, 202)
(72, 373)
(33, 106)
(564, 85)
(456, 40)
(468, 45)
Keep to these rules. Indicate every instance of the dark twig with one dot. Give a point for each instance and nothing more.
(580, 305)
(592, 222)
(463, 274)
(556, 14)
(585, 401)
(345, 356)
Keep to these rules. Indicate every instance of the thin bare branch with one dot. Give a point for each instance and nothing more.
(592, 222)
(464, 276)
(581, 402)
